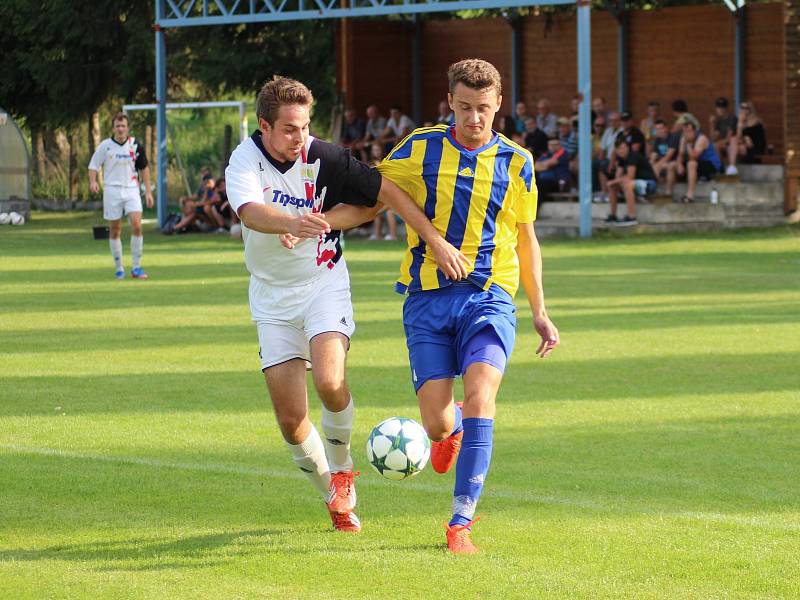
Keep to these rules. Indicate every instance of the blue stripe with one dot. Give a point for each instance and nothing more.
(461, 196)
(500, 182)
(403, 151)
(430, 175)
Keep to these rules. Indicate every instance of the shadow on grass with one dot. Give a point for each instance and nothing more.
(243, 390)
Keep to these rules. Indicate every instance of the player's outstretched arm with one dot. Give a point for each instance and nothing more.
(451, 261)
(263, 218)
(347, 216)
(93, 185)
(530, 273)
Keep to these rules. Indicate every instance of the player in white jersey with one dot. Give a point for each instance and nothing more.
(121, 157)
(281, 182)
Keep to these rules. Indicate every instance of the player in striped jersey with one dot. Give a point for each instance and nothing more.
(478, 189)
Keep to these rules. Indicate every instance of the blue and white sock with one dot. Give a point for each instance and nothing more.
(471, 468)
(137, 245)
(116, 252)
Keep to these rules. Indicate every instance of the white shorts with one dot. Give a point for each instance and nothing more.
(287, 318)
(119, 200)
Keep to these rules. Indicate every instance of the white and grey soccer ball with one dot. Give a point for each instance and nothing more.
(5, 218)
(16, 218)
(398, 448)
(236, 231)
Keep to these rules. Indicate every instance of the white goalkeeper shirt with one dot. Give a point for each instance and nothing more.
(120, 163)
(323, 176)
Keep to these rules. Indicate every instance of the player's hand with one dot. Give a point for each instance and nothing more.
(149, 199)
(288, 240)
(451, 261)
(549, 334)
(94, 187)
(309, 225)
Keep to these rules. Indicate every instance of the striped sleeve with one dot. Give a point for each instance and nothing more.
(527, 196)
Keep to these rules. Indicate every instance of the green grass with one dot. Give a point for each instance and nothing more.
(656, 454)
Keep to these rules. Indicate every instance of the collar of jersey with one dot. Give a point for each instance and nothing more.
(120, 144)
(281, 166)
(463, 149)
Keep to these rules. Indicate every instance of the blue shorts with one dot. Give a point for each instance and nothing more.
(441, 325)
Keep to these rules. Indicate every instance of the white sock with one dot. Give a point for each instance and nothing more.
(338, 427)
(116, 252)
(309, 456)
(137, 242)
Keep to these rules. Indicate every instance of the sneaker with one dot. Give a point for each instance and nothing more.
(459, 538)
(347, 522)
(138, 273)
(342, 492)
(611, 219)
(389, 238)
(445, 453)
(372, 238)
(628, 220)
(731, 170)
(120, 274)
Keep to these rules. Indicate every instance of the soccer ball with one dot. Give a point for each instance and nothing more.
(16, 218)
(398, 448)
(5, 218)
(236, 231)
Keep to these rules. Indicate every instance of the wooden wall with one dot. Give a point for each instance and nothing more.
(680, 52)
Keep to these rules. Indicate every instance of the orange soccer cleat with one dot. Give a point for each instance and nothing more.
(445, 453)
(342, 492)
(347, 522)
(459, 538)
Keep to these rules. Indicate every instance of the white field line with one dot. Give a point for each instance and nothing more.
(425, 488)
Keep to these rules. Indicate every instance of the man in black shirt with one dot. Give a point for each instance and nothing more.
(634, 178)
(631, 134)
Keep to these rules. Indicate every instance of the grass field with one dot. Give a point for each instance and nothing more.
(656, 454)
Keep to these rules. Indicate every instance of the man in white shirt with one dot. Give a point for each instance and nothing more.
(121, 157)
(397, 127)
(282, 182)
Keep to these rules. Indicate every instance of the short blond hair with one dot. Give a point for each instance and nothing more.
(281, 91)
(476, 74)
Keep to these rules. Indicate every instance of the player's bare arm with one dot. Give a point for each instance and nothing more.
(263, 218)
(451, 261)
(530, 273)
(94, 187)
(148, 195)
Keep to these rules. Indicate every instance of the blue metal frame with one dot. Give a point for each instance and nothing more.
(189, 13)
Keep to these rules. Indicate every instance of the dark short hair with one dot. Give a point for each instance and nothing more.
(619, 142)
(680, 105)
(120, 116)
(722, 102)
(654, 103)
(660, 121)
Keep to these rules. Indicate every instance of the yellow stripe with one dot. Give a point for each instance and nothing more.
(417, 194)
(478, 203)
(412, 134)
(505, 262)
(445, 188)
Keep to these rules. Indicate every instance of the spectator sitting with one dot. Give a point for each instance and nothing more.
(750, 141)
(552, 169)
(574, 106)
(521, 114)
(508, 127)
(664, 149)
(546, 120)
(202, 208)
(681, 112)
(376, 155)
(445, 116)
(567, 137)
(631, 134)
(223, 206)
(648, 124)
(353, 131)
(697, 157)
(600, 108)
(535, 139)
(722, 126)
(397, 127)
(634, 177)
(373, 129)
(606, 167)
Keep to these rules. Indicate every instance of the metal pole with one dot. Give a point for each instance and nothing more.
(416, 73)
(738, 60)
(242, 122)
(584, 114)
(515, 42)
(622, 59)
(161, 116)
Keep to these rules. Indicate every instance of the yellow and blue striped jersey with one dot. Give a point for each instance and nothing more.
(474, 198)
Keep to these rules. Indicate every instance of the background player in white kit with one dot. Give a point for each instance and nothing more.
(121, 157)
(281, 181)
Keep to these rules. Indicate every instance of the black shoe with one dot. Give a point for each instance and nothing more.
(628, 220)
(611, 219)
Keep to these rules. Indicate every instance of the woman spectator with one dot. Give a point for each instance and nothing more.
(750, 141)
(648, 124)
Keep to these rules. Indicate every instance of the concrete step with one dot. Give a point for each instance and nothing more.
(760, 173)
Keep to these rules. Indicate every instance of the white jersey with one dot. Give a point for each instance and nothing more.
(120, 162)
(325, 175)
